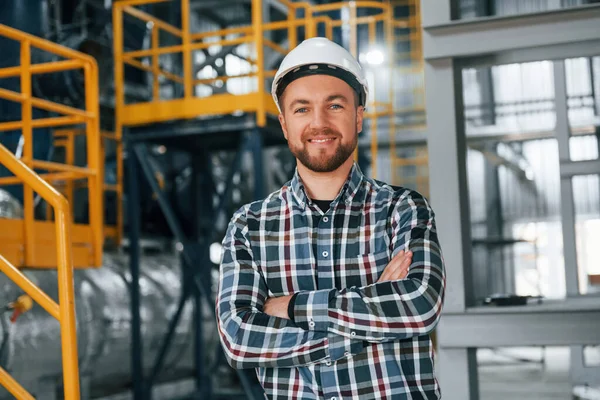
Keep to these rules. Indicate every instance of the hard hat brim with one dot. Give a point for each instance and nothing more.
(321, 69)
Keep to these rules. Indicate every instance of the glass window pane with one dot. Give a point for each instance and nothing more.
(586, 193)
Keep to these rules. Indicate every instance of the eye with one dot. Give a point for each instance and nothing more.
(300, 110)
(336, 107)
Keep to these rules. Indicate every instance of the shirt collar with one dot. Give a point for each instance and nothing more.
(347, 192)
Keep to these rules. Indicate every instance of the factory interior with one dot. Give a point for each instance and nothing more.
(132, 130)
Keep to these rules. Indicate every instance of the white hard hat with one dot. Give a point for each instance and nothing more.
(320, 55)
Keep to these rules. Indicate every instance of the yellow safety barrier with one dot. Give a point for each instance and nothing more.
(379, 22)
(65, 138)
(33, 238)
(64, 311)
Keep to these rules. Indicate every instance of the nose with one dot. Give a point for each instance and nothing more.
(319, 119)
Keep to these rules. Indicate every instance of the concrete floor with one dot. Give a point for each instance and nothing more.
(544, 375)
(502, 377)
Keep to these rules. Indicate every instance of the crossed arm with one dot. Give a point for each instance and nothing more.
(330, 322)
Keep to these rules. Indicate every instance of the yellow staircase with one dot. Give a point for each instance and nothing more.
(29, 242)
(56, 242)
(64, 311)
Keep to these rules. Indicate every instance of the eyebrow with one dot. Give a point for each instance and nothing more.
(331, 98)
(340, 97)
(298, 101)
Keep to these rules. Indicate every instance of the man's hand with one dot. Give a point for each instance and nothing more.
(397, 268)
(278, 306)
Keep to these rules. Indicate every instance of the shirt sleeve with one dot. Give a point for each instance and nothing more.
(390, 310)
(249, 337)
(291, 307)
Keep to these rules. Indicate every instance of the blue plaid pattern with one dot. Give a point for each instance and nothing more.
(352, 338)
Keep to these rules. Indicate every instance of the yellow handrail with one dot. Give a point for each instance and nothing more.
(64, 311)
(66, 138)
(380, 20)
(68, 115)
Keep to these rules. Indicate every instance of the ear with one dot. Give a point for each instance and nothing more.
(359, 118)
(283, 127)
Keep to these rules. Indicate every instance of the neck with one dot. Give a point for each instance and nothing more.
(324, 185)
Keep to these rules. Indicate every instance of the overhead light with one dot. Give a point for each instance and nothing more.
(372, 57)
(375, 57)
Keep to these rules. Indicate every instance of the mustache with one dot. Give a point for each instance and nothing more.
(310, 134)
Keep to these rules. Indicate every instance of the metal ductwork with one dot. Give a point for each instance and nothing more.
(30, 348)
(9, 206)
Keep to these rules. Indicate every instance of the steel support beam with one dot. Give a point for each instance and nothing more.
(567, 203)
(257, 160)
(496, 35)
(202, 234)
(133, 212)
(595, 99)
(570, 169)
(550, 324)
(166, 341)
(500, 278)
(193, 254)
(446, 141)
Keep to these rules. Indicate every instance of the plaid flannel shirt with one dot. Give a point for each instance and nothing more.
(352, 337)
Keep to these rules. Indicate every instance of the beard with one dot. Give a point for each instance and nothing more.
(319, 161)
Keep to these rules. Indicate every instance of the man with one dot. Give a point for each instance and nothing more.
(331, 286)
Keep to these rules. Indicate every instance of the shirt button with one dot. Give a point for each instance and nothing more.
(334, 398)
(347, 353)
(325, 254)
(311, 324)
(325, 219)
(328, 363)
(352, 334)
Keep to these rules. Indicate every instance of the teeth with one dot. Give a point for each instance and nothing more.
(320, 140)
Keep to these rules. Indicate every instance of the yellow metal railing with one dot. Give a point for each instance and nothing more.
(375, 20)
(66, 115)
(64, 311)
(411, 68)
(65, 138)
(414, 171)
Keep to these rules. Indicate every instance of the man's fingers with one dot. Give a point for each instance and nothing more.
(397, 268)
(401, 257)
(401, 273)
(384, 276)
(393, 264)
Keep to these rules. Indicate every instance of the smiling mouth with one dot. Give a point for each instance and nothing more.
(325, 140)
